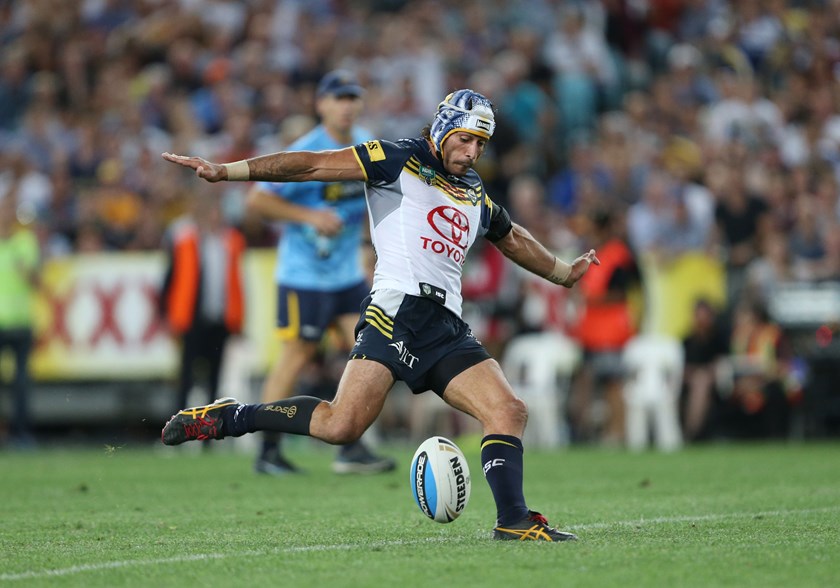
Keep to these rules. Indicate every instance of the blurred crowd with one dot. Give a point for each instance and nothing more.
(671, 126)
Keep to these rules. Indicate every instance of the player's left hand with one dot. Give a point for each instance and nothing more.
(207, 170)
(580, 266)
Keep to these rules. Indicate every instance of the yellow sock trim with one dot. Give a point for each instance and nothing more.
(491, 441)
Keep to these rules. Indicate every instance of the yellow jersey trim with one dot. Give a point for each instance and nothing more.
(359, 161)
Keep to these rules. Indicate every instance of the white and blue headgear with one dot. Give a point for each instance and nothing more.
(462, 111)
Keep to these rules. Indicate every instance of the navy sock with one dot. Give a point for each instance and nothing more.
(291, 415)
(502, 459)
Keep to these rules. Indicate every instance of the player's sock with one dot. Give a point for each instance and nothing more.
(502, 459)
(291, 415)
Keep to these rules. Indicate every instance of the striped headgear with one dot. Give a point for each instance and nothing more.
(465, 111)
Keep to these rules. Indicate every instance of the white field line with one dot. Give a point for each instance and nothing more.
(35, 574)
(702, 518)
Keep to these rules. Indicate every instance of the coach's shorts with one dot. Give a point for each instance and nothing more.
(421, 342)
(307, 314)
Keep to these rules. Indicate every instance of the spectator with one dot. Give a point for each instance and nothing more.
(741, 219)
(649, 219)
(607, 323)
(14, 90)
(762, 381)
(770, 269)
(807, 246)
(580, 187)
(202, 296)
(758, 31)
(684, 233)
(742, 114)
(583, 67)
(29, 188)
(706, 344)
(19, 265)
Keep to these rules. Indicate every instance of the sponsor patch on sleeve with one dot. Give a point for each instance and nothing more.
(375, 151)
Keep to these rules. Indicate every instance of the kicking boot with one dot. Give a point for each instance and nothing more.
(534, 527)
(358, 459)
(199, 423)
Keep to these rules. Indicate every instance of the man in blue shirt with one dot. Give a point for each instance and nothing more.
(320, 277)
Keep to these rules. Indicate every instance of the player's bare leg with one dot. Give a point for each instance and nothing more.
(361, 394)
(357, 457)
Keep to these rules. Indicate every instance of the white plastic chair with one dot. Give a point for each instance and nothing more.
(654, 373)
(539, 366)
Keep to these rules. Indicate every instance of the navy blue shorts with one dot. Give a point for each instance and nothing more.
(421, 342)
(307, 314)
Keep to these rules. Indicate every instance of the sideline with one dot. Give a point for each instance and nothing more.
(58, 572)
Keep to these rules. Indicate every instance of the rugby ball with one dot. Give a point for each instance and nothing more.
(440, 479)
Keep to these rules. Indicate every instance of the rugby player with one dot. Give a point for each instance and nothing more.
(426, 206)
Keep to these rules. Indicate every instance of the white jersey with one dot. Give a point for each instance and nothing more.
(423, 220)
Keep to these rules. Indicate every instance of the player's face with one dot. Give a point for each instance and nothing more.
(339, 113)
(461, 151)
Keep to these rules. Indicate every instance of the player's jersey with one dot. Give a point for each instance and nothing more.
(423, 220)
(305, 259)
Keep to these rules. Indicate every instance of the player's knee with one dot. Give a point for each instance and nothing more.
(517, 411)
(510, 416)
(344, 430)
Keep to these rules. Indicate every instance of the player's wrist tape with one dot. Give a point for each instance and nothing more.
(238, 171)
(560, 273)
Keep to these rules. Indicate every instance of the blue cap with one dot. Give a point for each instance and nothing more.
(340, 83)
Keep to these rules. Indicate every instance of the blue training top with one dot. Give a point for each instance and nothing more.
(305, 259)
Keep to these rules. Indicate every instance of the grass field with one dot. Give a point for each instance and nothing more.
(737, 515)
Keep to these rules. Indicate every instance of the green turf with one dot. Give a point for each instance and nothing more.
(739, 515)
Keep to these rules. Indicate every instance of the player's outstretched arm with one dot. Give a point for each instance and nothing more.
(521, 247)
(284, 166)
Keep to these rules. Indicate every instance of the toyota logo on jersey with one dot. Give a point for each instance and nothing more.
(451, 224)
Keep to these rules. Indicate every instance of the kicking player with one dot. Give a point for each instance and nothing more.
(320, 278)
(426, 206)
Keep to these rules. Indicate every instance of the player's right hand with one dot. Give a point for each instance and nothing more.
(326, 222)
(207, 170)
(580, 267)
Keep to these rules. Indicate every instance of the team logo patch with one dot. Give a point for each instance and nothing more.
(428, 174)
(375, 151)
